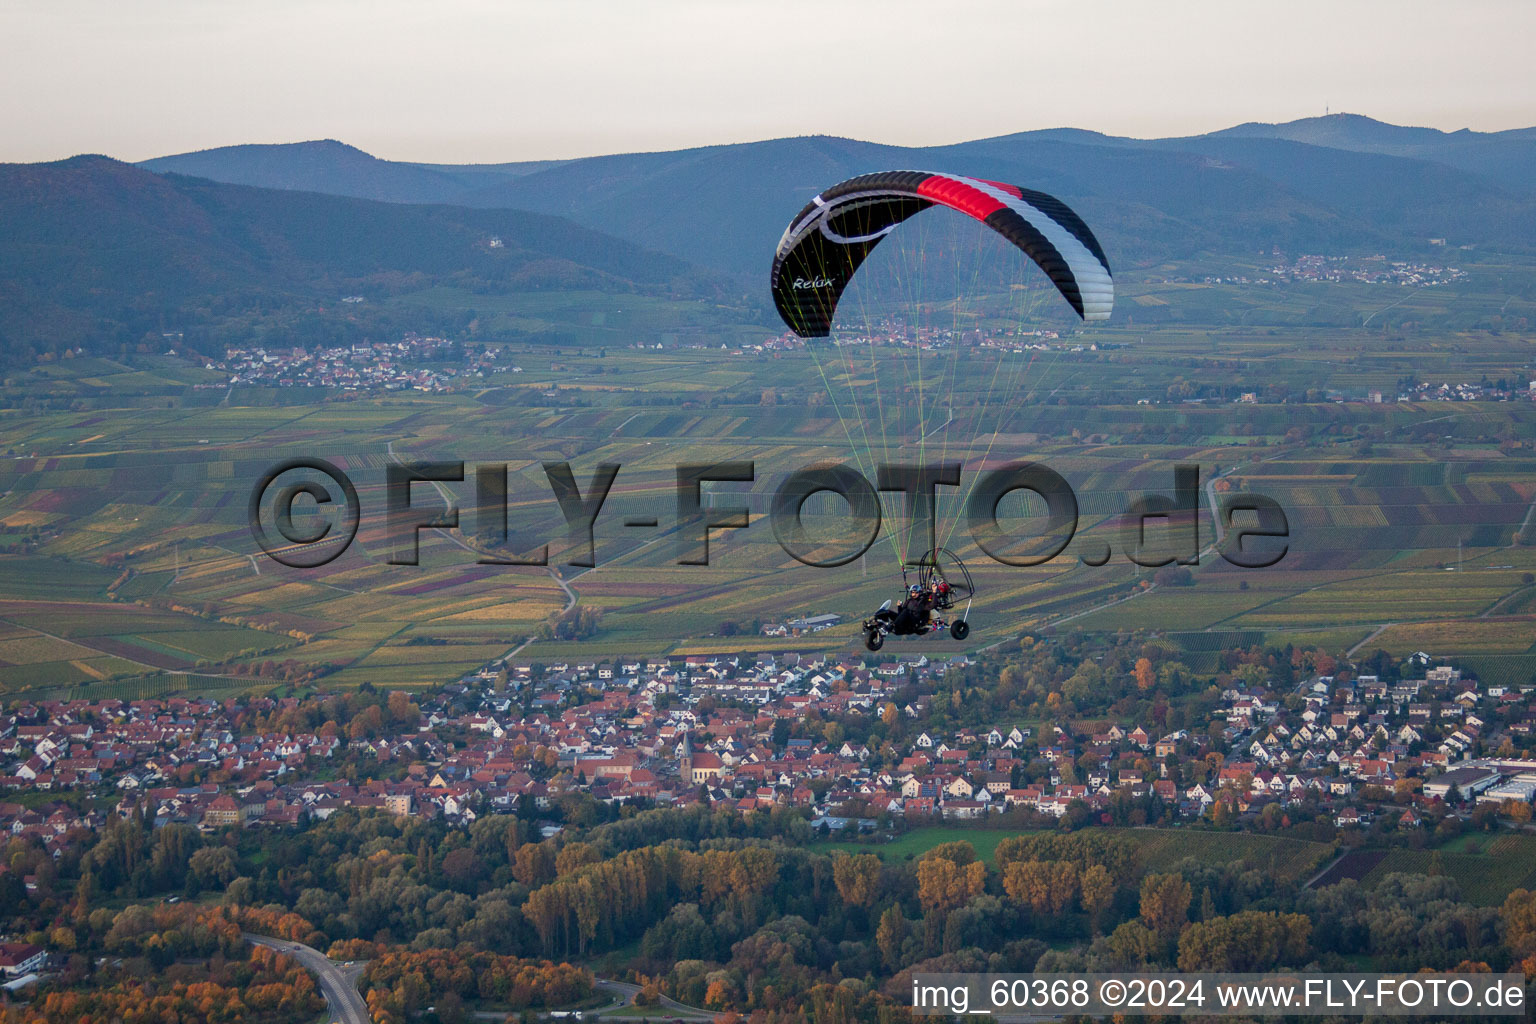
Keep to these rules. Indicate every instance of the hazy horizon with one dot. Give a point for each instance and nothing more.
(471, 81)
(472, 161)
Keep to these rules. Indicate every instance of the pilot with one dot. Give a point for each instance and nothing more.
(915, 610)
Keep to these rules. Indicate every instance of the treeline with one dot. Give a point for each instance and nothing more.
(575, 623)
(183, 963)
(792, 920)
(399, 985)
(363, 713)
(604, 904)
(168, 965)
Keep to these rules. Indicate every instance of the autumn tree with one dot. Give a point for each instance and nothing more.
(402, 710)
(533, 864)
(575, 855)
(370, 722)
(1045, 887)
(959, 852)
(943, 884)
(1518, 917)
(857, 878)
(1165, 904)
(1132, 944)
(889, 936)
(1098, 893)
(1249, 941)
(1118, 855)
(1146, 677)
(462, 869)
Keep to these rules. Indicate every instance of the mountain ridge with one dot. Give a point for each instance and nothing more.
(104, 253)
(1237, 190)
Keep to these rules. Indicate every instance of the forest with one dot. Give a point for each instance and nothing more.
(745, 914)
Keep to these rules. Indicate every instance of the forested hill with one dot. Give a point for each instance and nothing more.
(100, 253)
(1337, 184)
(336, 168)
(1506, 158)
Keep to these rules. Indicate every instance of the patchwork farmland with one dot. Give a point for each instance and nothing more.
(129, 554)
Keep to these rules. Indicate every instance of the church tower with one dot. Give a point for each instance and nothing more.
(685, 762)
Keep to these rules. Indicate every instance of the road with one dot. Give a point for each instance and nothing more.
(564, 583)
(337, 983)
(1326, 868)
(154, 668)
(1399, 302)
(345, 1004)
(448, 502)
(1217, 526)
(623, 994)
(451, 536)
(626, 993)
(1525, 524)
(1372, 636)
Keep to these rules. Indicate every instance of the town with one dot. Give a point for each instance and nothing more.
(756, 733)
(1366, 270)
(884, 334)
(391, 366)
(1313, 268)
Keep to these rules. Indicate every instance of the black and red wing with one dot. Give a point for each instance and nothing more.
(827, 241)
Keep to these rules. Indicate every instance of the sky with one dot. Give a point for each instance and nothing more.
(485, 81)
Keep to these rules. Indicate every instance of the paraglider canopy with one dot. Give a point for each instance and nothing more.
(827, 241)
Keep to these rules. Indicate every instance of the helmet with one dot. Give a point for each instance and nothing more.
(943, 587)
(914, 590)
